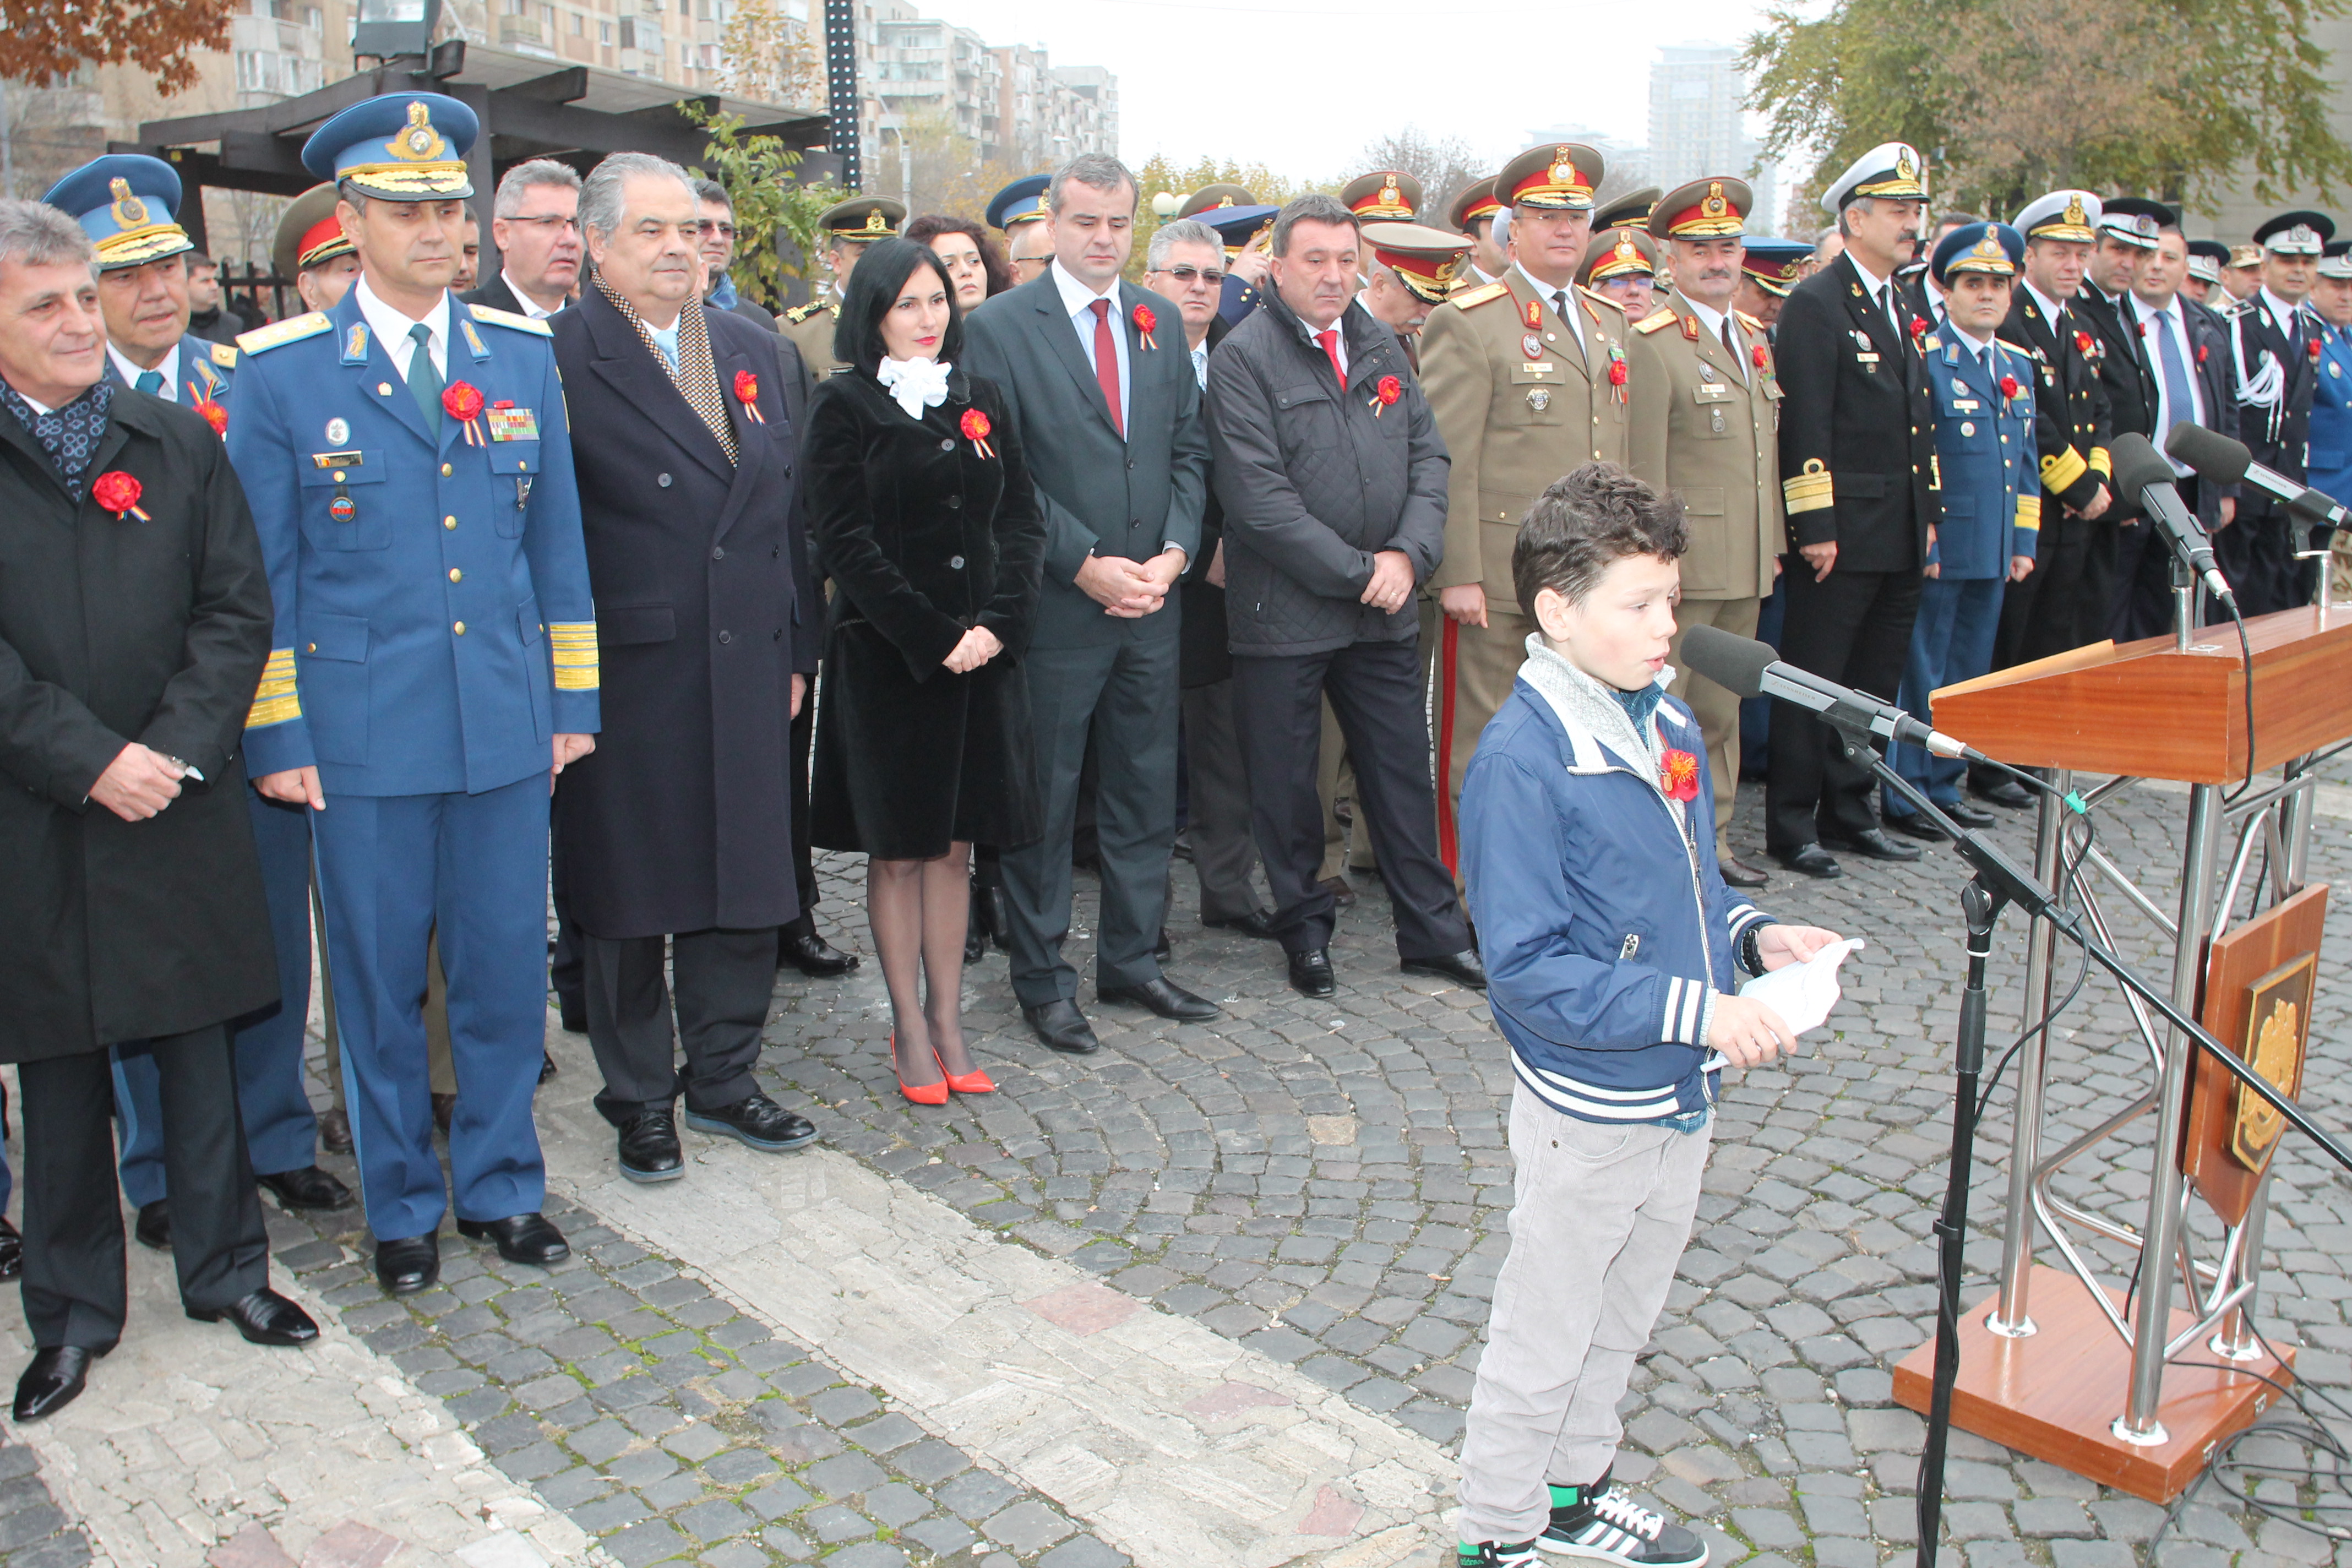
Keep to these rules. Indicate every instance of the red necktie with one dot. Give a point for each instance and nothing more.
(1106, 364)
(1330, 338)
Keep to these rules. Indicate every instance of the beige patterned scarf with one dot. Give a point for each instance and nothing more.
(696, 374)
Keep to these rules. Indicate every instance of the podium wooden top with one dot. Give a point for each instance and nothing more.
(2143, 709)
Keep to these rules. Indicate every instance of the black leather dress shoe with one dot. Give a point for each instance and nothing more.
(1061, 1026)
(995, 916)
(975, 933)
(1968, 816)
(335, 1131)
(520, 1237)
(153, 1226)
(1811, 860)
(799, 946)
(755, 1121)
(1256, 922)
(53, 1381)
(1872, 842)
(306, 1187)
(1310, 974)
(1911, 825)
(408, 1264)
(12, 1251)
(2008, 793)
(1463, 968)
(1739, 873)
(648, 1148)
(263, 1318)
(1163, 997)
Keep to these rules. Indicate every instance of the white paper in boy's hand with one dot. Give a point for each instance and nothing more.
(1804, 994)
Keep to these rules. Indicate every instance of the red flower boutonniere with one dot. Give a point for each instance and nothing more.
(1761, 359)
(975, 430)
(2083, 343)
(1618, 373)
(747, 392)
(1678, 775)
(2201, 349)
(2008, 387)
(462, 401)
(119, 493)
(1918, 328)
(1144, 322)
(214, 414)
(1385, 395)
(2313, 347)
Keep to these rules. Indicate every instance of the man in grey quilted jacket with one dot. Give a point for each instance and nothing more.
(1332, 478)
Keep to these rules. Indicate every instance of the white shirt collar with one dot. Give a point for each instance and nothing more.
(530, 307)
(391, 325)
(2050, 309)
(1547, 293)
(169, 366)
(1872, 283)
(1076, 296)
(1708, 316)
(2281, 312)
(1969, 341)
(2147, 312)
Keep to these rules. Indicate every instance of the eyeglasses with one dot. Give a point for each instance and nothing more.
(1185, 273)
(712, 225)
(549, 224)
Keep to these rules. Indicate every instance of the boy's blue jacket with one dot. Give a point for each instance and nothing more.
(1606, 924)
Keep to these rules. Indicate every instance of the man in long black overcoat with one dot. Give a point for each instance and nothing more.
(134, 623)
(679, 824)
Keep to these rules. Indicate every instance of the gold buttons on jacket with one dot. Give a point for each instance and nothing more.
(446, 470)
(456, 575)
(448, 522)
(459, 628)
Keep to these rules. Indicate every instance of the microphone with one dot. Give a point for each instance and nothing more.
(2139, 469)
(2226, 462)
(1749, 668)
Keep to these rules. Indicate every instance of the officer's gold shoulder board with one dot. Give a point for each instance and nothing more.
(800, 313)
(224, 355)
(1655, 320)
(293, 329)
(1471, 297)
(1600, 300)
(514, 319)
(1751, 322)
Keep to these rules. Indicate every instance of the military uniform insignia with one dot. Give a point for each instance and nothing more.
(419, 142)
(512, 319)
(129, 211)
(1713, 204)
(1539, 398)
(1690, 328)
(1534, 315)
(293, 329)
(1656, 320)
(339, 430)
(1531, 346)
(1485, 293)
(508, 423)
(474, 338)
(224, 355)
(355, 342)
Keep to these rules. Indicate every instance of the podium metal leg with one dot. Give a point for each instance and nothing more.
(2161, 1237)
(2009, 1317)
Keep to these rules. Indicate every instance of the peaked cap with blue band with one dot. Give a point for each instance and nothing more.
(1994, 247)
(397, 147)
(1023, 201)
(126, 202)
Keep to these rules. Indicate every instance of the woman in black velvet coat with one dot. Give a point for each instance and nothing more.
(922, 514)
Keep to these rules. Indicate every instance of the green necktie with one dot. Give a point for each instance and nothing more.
(424, 380)
(150, 381)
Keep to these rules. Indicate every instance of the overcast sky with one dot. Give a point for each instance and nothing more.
(1301, 85)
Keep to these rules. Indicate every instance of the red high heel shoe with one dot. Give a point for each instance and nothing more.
(973, 1082)
(920, 1094)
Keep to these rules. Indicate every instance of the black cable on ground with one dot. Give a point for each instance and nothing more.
(2312, 1430)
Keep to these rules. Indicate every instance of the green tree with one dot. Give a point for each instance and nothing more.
(771, 203)
(2179, 99)
(1164, 175)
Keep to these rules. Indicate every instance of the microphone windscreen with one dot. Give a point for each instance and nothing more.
(2213, 455)
(1734, 663)
(2135, 464)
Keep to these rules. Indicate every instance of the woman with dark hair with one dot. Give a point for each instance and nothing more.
(921, 510)
(976, 268)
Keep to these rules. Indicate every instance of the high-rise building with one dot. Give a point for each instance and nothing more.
(1697, 128)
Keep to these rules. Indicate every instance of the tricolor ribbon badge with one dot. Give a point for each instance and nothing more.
(976, 428)
(214, 414)
(1144, 322)
(462, 401)
(1618, 374)
(1385, 395)
(747, 392)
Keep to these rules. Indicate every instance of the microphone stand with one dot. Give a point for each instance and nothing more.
(1999, 882)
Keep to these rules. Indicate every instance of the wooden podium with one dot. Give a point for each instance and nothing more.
(2063, 1383)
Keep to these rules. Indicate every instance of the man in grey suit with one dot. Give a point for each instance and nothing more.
(1097, 375)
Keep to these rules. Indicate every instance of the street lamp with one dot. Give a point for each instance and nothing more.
(388, 29)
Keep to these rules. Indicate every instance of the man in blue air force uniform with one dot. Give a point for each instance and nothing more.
(434, 657)
(128, 204)
(1992, 515)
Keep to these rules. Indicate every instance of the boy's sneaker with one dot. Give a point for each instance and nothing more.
(1600, 1520)
(1495, 1555)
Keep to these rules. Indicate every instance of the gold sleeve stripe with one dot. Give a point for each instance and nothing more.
(2029, 513)
(2061, 469)
(276, 700)
(574, 646)
(2099, 463)
(1811, 490)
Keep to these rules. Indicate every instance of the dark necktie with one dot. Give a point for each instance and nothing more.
(424, 380)
(1106, 364)
(150, 381)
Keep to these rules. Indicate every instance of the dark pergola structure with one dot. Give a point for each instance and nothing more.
(574, 114)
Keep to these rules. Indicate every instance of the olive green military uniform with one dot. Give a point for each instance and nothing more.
(1519, 403)
(1716, 443)
(810, 327)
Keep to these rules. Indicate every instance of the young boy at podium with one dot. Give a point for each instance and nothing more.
(1610, 941)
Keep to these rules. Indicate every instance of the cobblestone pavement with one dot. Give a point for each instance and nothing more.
(1325, 1184)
